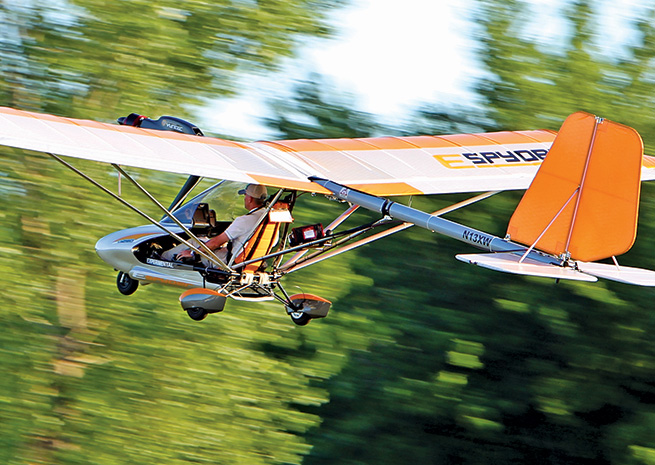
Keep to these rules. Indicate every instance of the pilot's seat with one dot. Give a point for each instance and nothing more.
(264, 238)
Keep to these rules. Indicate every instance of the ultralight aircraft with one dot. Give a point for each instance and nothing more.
(580, 206)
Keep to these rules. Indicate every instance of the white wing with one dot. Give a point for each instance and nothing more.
(382, 166)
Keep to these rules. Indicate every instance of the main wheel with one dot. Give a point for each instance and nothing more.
(197, 313)
(300, 318)
(125, 284)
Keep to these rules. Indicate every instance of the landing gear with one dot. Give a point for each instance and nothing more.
(304, 307)
(125, 284)
(200, 302)
(197, 313)
(300, 318)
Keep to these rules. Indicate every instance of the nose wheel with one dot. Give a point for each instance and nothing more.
(125, 284)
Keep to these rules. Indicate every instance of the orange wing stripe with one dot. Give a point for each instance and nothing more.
(389, 188)
(397, 143)
(649, 162)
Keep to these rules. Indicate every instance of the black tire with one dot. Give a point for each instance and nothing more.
(197, 313)
(125, 284)
(299, 318)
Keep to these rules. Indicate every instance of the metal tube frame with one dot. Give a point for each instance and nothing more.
(388, 232)
(331, 227)
(350, 234)
(433, 223)
(334, 249)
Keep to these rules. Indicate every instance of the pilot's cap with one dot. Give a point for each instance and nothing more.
(256, 191)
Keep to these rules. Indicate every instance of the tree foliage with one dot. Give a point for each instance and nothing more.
(89, 376)
(92, 58)
(316, 109)
(534, 83)
(473, 366)
(422, 360)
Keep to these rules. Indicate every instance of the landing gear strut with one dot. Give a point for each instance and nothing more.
(304, 307)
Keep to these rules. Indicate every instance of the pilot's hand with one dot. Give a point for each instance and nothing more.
(185, 254)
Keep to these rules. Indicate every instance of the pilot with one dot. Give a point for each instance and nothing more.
(237, 233)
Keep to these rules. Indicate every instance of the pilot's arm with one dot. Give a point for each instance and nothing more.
(213, 243)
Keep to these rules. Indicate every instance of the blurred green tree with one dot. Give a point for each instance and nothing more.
(95, 58)
(92, 377)
(473, 366)
(318, 109)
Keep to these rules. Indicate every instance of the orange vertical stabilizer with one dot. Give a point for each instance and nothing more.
(584, 199)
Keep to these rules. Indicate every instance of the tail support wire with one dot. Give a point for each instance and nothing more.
(548, 226)
(577, 191)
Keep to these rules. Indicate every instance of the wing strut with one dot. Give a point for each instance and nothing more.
(133, 208)
(211, 255)
(320, 256)
(191, 182)
(430, 222)
(331, 227)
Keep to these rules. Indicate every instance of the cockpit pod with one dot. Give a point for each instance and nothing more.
(136, 252)
(221, 201)
(117, 248)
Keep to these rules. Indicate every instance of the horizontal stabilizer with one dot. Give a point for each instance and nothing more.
(509, 263)
(622, 274)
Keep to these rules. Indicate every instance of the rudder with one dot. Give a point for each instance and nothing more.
(584, 200)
